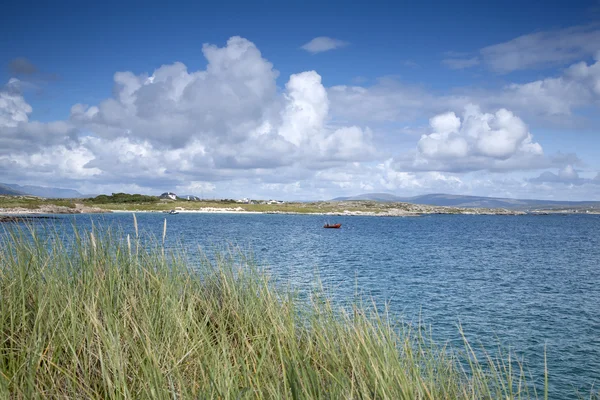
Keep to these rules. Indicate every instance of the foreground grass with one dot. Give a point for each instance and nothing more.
(101, 317)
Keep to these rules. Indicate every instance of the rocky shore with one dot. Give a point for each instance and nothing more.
(13, 218)
(403, 213)
(372, 208)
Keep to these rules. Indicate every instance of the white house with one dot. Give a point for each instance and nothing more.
(168, 195)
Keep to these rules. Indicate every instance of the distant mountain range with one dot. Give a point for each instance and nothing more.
(471, 201)
(13, 189)
(8, 191)
(437, 199)
(383, 197)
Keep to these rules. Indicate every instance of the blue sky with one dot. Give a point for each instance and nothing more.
(364, 120)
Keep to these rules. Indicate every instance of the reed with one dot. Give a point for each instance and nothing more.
(97, 316)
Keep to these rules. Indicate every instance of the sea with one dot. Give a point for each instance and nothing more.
(528, 285)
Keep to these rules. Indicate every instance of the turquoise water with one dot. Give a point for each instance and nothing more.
(528, 283)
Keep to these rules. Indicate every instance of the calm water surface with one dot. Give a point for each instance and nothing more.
(528, 283)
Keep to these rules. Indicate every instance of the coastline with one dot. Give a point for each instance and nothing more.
(239, 210)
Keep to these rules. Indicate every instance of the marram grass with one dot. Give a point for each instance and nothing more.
(99, 316)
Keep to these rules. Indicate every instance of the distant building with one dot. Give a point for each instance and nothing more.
(244, 200)
(168, 195)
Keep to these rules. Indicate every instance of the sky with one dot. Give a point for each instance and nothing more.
(302, 100)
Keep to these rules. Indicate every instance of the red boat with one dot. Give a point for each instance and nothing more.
(333, 226)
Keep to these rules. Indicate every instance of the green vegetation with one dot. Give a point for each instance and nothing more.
(138, 202)
(33, 202)
(101, 316)
(290, 207)
(121, 198)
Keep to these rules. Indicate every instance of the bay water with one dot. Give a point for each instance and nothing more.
(529, 284)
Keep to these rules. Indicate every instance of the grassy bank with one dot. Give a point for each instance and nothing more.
(101, 317)
(138, 203)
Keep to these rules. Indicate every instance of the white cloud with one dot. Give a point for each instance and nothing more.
(306, 110)
(412, 183)
(568, 173)
(18, 133)
(383, 177)
(550, 102)
(480, 141)
(13, 107)
(543, 49)
(388, 100)
(197, 187)
(323, 43)
(566, 176)
(175, 126)
(535, 50)
(228, 130)
(50, 164)
(588, 75)
(578, 87)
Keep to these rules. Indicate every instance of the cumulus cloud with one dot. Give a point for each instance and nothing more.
(389, 100)
(49, 164)
(173, 126)
(553, 101)
(579, 86)
(480, 141)
(416, 182)
(13, 107)
(18, 133)
(567, 175)
(229, 130)
(199, 187)
(588, 75)
(383, 177)
(173, 106)
(323, 43)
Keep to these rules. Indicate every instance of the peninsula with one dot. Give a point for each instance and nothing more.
(140, 203)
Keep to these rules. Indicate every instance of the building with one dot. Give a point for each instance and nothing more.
(168, 196)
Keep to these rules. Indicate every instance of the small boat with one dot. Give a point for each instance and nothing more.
(332, 226)
(173, 212)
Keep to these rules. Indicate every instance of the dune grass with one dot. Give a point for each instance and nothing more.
(100, 316)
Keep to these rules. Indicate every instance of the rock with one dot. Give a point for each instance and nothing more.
(12, 218)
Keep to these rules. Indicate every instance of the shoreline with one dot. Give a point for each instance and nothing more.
(240, 210)
(333, 209)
